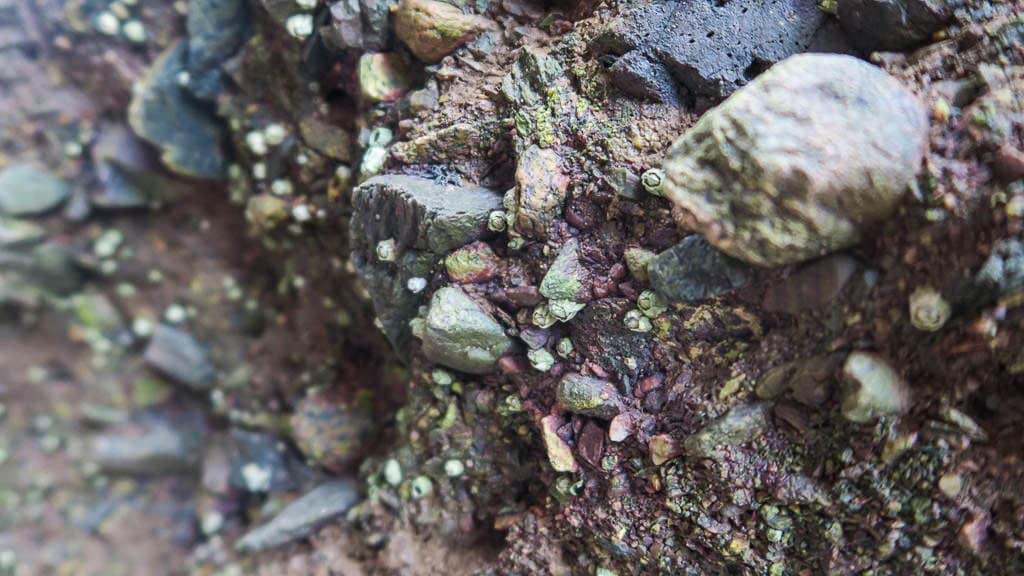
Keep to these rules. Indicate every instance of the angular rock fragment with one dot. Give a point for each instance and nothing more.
(26, 190)
(425, 221)
(589, 396)
(891, 24)
(542, 187)
(359, 24)
(47, 267)
(459, 334)
(1003, 271)
(765, 178)
(559, 452)
(162, 112)
(177, 354)
(300, 518)
(331, 431)
(873, 389)
(216, 29)
(693, 270)
(709, 47)
(564, 279)
(432, 29)
(474, 262)
(261, 462)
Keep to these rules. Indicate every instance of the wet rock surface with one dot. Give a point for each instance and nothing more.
(796, 191)
(300, 518)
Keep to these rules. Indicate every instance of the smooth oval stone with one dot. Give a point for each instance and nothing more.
(26, 190)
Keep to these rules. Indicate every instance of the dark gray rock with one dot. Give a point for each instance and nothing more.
(891, 24)
(300, 518)
(181, 357)
(151, 444)
(459, 334)
(359, 24)
(765, 179)
(27, 190)
(425, 221)
(710, 48)
(216, 29)
(164, 113)
(261, 462)
(693, 270)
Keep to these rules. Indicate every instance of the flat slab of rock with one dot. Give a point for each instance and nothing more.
(709, 47)
(799, 162)
(177, 354)
(300, 518)
(26, 190)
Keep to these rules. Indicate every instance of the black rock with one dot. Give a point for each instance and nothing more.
(419, 221)
(710, 48)
(694, 270)
(177, 354)
(262, 462)
(891, 24)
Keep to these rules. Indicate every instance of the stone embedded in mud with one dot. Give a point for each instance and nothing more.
(331, 431)
(739, 425)
(600, 334)
(152, 444)
(163, 113)
(266, 211)
(564, 279)
(48, 268)
(663, 447)
(710, 47)
(589, 396)
(559, 452)
(432, 29)
(891, 24)
(301, 517)
(459, 334)
(472, 263)
(15, 233)
(181, 357)
(637, 261)
(384, 76)
(261, 462)
(693, 270)
(26, 190)
(873, 389)
(809, 380)
(812, 286)
(425, 221)
(835, 142)
(542, 187)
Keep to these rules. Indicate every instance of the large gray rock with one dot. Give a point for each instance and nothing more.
(299, 519)
(165, 114)
(461, 335)
(709, 47)
(694, 270)
(420, 221)
(26, 190)
(800, 161)
(177, 354)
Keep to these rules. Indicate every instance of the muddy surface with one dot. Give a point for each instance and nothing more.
(508, 287)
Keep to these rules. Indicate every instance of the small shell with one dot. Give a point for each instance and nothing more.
(928, 310)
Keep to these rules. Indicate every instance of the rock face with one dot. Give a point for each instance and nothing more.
(432, 30)
(425, 221)
(694, 270)
(26, 190)
(177, 354)
(461, 335)
(164, 113)
(710, 48)
(300, 518)
(766, 179)
(890, 24)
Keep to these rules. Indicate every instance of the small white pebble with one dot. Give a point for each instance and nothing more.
(259, 170)
(416, 285)
(256, 477)
(142, 326)
(275, 134)
(299, 25)
(134, 31)
(256, 142)
(108, 24)
(306, 4)
(175, 313)
(301, 213)
(183, 78)
(281, 187)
